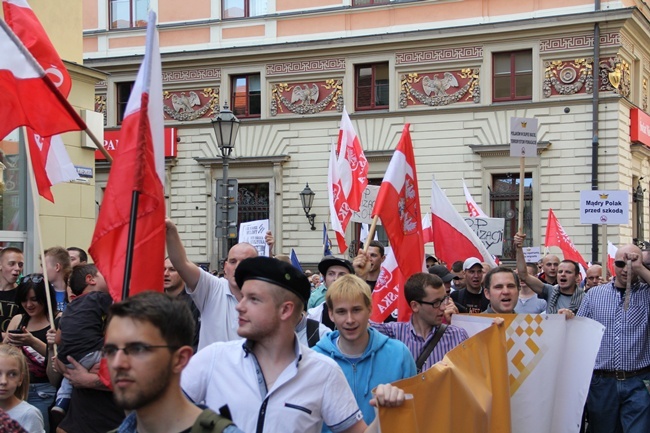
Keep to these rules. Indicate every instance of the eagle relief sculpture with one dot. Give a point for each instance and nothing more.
(183, 103)
(438, 86)
(304, 94)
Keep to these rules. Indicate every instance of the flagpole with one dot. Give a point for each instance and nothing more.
(522, 166)
(604, 261)
(32, 179)
(371, 233)
(135, 197)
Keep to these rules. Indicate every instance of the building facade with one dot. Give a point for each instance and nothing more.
(457, 71)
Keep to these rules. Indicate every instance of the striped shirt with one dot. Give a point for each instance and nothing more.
(404, 332)
(626, 340)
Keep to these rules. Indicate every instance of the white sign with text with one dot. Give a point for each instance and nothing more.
(254, 232)
(523, 137)
(489, 231)
(367, 204)
(604, 207)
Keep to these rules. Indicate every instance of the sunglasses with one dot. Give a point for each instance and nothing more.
(619, 263)
(34, 278)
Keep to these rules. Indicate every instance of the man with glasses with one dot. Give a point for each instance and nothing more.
(619, 394)
(425, 335)
(146, 353)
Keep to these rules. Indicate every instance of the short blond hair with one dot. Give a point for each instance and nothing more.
(348, 287)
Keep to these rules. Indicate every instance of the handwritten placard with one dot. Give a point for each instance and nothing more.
(489, 231)
(367, 203)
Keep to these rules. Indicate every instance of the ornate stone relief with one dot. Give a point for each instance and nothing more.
(441, 88)
(180, 105)
(307, 98)
(644, 95)
(615, 76)
(568, 77)
(100, 105)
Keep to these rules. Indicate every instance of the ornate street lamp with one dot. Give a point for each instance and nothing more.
(226, 127)
(307, 200)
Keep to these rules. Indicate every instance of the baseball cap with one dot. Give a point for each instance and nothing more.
(472, 261)
(329, 261)
(443, 273)
(276, 272)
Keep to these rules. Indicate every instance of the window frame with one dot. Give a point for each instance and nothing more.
(513, 197)
(372, 3)
(120, 105)
(247, 11)
(233, 90)
(373, 87)
(513, 75)
(132, 22)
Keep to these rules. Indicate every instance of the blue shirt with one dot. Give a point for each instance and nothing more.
(626, 340)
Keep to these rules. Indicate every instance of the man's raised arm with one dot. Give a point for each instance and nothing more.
(522, 270)
(189, 272)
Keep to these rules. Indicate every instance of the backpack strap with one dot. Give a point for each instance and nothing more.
(210, 422)
(313, 336)
(426, 351)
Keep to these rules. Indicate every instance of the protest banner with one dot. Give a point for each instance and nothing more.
(364, 215)
(254, 232)
(489, 231)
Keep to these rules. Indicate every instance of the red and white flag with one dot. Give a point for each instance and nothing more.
(453, 239)
(50, 160)
(29, 98)
(347, 178)
(556, 236)
(427, 229)
(473, 209)
(386, 293)
(138, 166)
(398, 206)
(611, 254)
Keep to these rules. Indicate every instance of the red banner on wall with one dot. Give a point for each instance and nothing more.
(639, 127)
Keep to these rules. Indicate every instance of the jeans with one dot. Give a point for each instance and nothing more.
(619, 406)
(65, 390)
(41, 395)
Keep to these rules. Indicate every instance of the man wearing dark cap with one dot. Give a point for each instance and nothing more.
(444, 275)
(269, 382)
(330, 268)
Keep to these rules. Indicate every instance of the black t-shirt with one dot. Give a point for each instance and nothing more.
(8, 307)
(475, 303)
(91, 411)
(82, 325)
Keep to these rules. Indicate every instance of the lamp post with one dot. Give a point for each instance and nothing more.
(307, 200)
(225, 126)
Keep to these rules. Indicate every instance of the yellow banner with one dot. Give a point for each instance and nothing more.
(467, 391)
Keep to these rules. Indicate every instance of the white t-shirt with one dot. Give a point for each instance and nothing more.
(310, 391)
(28, 417)
(216, 303)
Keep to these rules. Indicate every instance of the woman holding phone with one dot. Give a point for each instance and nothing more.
(28, 330)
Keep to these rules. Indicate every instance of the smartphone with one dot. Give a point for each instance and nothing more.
(15, 331)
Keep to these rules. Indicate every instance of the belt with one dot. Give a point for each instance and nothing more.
(621, 374)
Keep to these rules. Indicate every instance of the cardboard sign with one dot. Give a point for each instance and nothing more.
(367, 204)
(604, 207)
(523, 137)
(489, 231)
(254, 232)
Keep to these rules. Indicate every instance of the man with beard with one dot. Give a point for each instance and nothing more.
(564, 295)
(146, 353)
(618, 399)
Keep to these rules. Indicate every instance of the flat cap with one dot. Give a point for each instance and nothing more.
(276, 272)
(329, 261)
(443, 273)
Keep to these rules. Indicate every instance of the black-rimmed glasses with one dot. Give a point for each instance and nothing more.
(435, 304)
(132, 349)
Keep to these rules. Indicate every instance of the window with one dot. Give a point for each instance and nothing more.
(513, 76)
(125, 14)
(504, 199)
(252, 204)
(371, 86)
(243, 8)
(370, 2)
(122, 92)
(246, 96)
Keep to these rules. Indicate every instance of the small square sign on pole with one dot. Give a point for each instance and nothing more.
(523, 137)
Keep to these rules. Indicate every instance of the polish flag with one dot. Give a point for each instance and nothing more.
(340, 212)
(453, 240)
(427, 229)
(386, 293)
(351, 162)
(611, 253)
(50, 160)
(29, 98)
(556, 236)
(398, 206)
(138, 167)
(473, 209)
